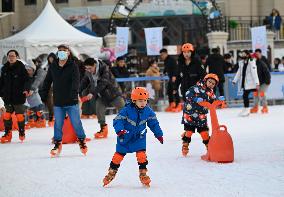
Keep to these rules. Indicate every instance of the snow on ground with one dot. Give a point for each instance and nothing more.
(27, 169)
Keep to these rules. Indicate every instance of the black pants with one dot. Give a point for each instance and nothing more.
(220, 87)
(172, 97)
(246, 97)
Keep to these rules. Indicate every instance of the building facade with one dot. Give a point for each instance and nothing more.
(17, 14)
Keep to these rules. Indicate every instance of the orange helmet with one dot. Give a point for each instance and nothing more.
(139, 93)
(212, 76)
(187, 47)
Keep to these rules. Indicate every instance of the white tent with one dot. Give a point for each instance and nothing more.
(47, 32)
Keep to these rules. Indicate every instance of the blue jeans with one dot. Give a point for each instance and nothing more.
(74, 115)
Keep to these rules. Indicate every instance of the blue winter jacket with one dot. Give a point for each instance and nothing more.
(134, 120)
(277, 22)
(193, 113)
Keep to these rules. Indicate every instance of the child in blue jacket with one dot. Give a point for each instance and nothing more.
(130, 127)
(194, 115)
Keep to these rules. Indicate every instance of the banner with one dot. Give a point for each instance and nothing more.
(121, 47)
(259, 40)
(154, 40)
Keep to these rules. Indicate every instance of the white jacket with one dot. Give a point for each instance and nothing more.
(251, 77)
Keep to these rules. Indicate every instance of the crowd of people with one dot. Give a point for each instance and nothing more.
(66, 83)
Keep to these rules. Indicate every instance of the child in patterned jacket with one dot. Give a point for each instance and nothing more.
(194, 115)
(130, 127)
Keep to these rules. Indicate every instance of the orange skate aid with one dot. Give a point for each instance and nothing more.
(68, 132)
(220, 146)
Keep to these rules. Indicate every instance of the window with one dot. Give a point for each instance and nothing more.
(7, 6)
(61, 1)
(30, 2)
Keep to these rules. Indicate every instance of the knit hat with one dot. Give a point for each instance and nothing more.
(30, 64)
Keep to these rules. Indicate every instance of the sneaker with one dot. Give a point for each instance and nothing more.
(144, 178)
(244, 112)
(110, 176)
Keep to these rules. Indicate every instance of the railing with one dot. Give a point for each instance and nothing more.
(275, 93)
(238, 27)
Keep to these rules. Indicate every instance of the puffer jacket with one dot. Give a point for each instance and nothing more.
(251, 77)
(134, 120)
(154, 72)
(14, 81)
(193, 113)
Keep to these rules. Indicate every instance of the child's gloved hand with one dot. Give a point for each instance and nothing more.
(221, 98)
(161, 139)
(122, 132)
(198, 100)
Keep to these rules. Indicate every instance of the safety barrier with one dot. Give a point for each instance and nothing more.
(275, 93)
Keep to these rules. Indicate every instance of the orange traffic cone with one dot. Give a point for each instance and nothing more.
(220, 146)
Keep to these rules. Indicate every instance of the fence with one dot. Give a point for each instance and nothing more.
(238, 27)
(275, 93)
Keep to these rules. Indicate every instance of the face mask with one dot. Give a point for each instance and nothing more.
(62, 55)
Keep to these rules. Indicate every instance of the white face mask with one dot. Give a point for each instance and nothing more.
(62, 55)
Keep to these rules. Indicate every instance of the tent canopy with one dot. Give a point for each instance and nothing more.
(47, 32)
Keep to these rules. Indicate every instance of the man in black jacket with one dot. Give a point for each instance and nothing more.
(65, 76)
(171, 69)
(99, 83)
(264, 77)
(120, 71)
(15, 86)
(259, 55)
(216, 64)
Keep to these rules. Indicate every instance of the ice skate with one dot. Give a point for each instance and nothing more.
(83, 146)
(170, 107)
(244, 112)
(185, 149)
(57, 149)
(22, 135)
(264, 110)
(110, 176)
(7, 137)
(144, 178)
(254, 109)
(102, 133)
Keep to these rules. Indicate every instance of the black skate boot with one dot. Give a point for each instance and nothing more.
(83, 146)
(57, 149)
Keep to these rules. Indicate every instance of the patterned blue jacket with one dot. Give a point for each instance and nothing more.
(193, 113)
(134, 120)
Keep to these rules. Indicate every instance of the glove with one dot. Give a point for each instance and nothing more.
(120, 133)
(161, 139)
(198, 100)
(221, 98)
(84, 99)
